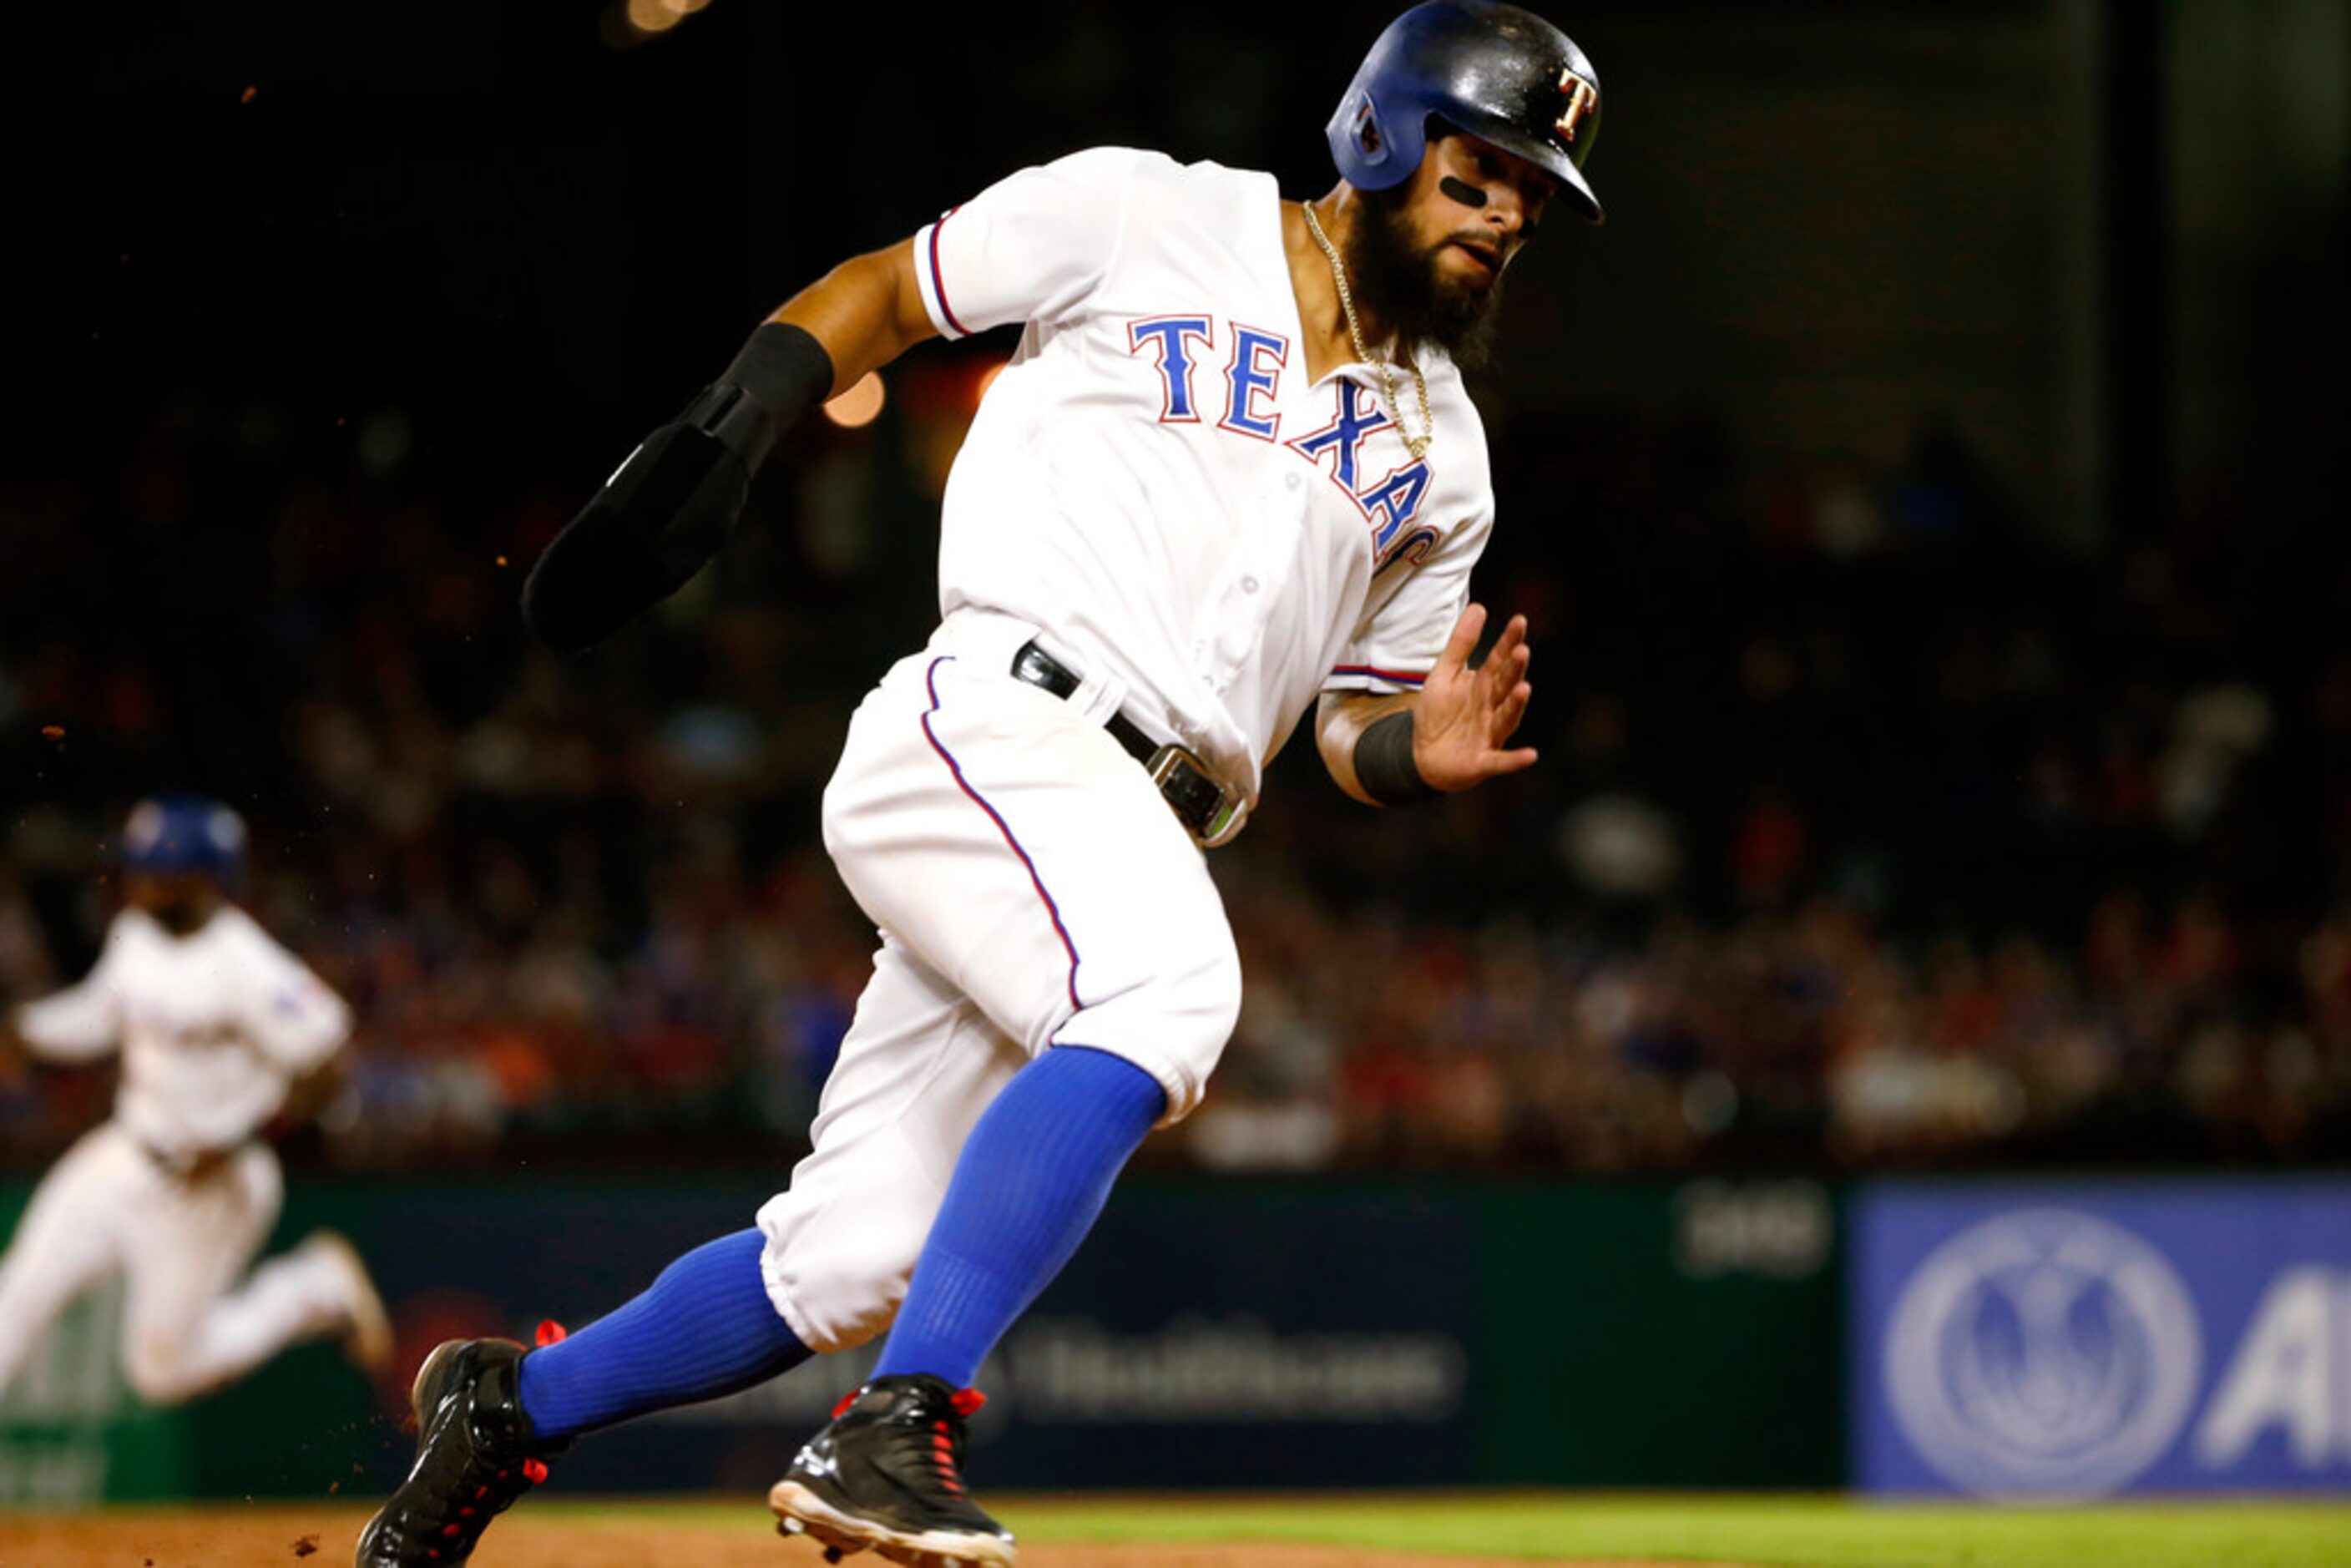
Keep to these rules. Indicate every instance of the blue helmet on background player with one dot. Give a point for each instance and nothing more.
(1503, 74)
(183, 835)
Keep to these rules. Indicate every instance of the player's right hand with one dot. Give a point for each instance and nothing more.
(656, 522)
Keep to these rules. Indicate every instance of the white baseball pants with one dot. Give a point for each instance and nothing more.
(1032, 889)
(181, 1245)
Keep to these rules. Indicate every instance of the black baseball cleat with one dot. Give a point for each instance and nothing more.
(888, 1474)
(475, 1454)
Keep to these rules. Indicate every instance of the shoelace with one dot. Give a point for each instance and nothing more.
(939, 1441)
(944, 1458)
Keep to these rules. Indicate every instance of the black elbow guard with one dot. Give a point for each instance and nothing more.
(672, 503)
(781, 375)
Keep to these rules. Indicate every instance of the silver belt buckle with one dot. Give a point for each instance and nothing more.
(1224, 821)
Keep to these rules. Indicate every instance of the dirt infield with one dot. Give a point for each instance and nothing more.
(262, 1535)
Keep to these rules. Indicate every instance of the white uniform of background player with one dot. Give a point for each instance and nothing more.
(177, 1192)
(1155, 493)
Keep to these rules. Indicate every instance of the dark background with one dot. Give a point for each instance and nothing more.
(1922, 488)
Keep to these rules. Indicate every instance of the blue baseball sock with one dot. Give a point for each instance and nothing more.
(704, 1328)
(1033, 1176)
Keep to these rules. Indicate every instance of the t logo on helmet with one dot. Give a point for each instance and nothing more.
(1582, 96)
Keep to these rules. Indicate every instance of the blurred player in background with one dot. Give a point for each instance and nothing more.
(1230, 475)
(222, 1034)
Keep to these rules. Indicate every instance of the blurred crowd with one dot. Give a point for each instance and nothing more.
(1873, 829)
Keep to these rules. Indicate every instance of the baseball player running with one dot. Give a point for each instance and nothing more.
(221, 1032)
(1229, 475)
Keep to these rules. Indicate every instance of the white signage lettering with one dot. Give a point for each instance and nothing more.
(2293, 1369)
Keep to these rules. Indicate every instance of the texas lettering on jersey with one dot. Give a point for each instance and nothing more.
(1252, 381)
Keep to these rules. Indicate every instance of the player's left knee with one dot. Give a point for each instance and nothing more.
(1173, 1025)
(1223, 985)
(1194, 1009)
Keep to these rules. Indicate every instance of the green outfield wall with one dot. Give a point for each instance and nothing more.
(1281, 1333)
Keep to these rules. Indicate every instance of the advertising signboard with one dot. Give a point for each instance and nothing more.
(2079, 1339)
(1284, 1333)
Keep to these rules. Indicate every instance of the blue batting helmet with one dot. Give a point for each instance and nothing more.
(1503, 75)
(183, 833)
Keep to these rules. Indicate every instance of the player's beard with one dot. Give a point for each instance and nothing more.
(1400, 283)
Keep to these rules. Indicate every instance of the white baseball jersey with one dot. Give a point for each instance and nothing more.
(212, 1027)
(1154, 481)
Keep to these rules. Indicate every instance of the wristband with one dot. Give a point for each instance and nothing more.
(1384, 764)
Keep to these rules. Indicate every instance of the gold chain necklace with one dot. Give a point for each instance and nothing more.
(1355, 336)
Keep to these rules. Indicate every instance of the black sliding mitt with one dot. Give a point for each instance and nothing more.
(666, 511)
